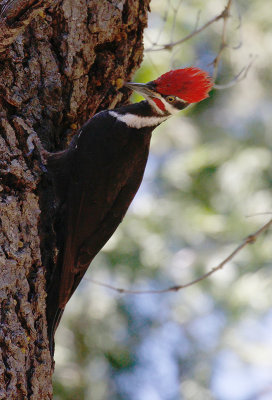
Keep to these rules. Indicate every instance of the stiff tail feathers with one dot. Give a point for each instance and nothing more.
(52, 326)
(53, 310)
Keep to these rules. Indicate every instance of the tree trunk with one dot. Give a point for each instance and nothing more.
(60, 62)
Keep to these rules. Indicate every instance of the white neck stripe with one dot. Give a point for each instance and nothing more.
(138, 121)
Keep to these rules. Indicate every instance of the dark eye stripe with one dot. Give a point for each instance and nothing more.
(180, 104)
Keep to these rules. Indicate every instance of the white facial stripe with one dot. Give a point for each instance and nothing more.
(137, 121)
(172, 110)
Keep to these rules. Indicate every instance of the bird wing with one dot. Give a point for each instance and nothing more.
(106, 166)
(77, 260)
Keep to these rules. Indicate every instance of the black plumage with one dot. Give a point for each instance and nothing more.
(95, 179)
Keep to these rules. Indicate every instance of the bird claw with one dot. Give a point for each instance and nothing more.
(33, 142)
(30, 144)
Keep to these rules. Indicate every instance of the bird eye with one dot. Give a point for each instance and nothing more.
(170, 99)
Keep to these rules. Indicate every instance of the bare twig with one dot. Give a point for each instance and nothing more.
(248, 240)
(197, 19)
(238, 28)
(168, 46)
(175, 10)
(165, 17)
(223, 45)
(258, 214)
(225, 14)
(237, 78)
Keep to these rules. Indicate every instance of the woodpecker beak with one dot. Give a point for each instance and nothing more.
(145, 89)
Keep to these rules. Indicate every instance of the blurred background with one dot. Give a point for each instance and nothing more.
(206, 187)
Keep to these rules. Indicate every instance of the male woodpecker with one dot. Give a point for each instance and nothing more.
(97, 177)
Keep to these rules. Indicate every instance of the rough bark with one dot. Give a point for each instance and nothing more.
(60, 62)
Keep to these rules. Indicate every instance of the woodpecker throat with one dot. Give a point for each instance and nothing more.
(138, 121)
(97, 177)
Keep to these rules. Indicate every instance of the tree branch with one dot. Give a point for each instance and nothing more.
(168, 46)
(237, 78)
(223, 45)
(248, 240)
(225, 14)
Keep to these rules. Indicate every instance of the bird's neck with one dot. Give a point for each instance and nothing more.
(139, 115)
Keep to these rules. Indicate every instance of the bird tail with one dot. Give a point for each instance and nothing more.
(54, 310)
(52, 324)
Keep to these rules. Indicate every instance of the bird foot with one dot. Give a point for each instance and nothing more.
(33, 142)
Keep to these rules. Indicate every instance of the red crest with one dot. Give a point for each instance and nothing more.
(189, 84)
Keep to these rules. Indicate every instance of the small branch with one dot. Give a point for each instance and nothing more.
(175, 10)
(223, 45)
(225, 14)
(165, 17)
(250, 239)
(259, 213)
(238, 78)
(169, 46)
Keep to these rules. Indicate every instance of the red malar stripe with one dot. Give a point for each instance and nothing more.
(159, 103)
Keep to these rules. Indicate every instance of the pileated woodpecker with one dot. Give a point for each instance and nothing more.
(97, 177)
